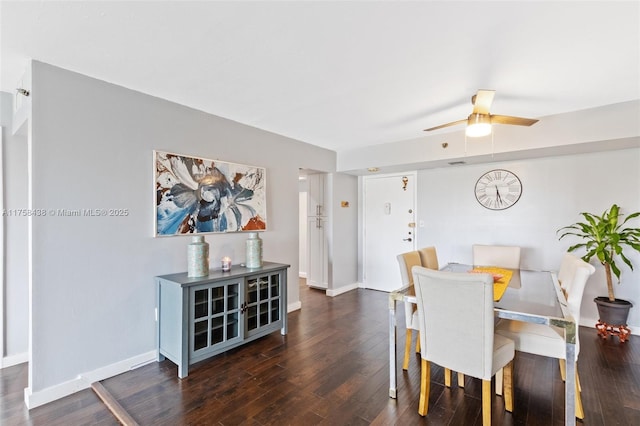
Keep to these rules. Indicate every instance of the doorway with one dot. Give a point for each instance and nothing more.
(389, 227)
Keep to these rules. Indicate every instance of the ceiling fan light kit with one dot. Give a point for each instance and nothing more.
(478, 125)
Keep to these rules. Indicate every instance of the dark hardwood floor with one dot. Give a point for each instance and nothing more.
(332, 369)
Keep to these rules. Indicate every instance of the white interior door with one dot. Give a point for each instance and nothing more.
(2, 258)
(389, 227)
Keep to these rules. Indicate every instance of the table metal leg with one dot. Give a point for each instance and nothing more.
(570, 381)
(392, 348)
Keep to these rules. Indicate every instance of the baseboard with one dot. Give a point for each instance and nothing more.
(294, 306)
(337, 291)
(83, 381)
(302, 274)
(33, 400)
(120, 367)
(11, 360)
(588, 322)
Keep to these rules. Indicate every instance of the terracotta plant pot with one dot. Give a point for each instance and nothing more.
(613, 313)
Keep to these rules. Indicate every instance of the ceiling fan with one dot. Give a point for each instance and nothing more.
(480, 120)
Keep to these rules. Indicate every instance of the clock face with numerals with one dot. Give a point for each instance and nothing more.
(498, 189)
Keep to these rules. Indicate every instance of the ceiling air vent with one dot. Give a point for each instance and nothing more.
(456, 163)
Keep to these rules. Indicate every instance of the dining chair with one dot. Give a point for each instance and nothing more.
(566, 271)
(455, 313)
(565, 277)
(407, 261)
(428, 259)
(547, 340)
(501, 256)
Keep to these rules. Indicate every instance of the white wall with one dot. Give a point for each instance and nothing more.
(93, 294)
(343, 255)
(14, 170)
(555, 191)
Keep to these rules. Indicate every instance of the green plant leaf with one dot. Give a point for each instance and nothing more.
(604, 237)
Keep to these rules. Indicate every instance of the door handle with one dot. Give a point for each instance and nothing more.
(407, 239)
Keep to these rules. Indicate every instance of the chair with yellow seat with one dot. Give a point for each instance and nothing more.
(407, 261)
(500, 256)
(429, 258)
(455, 314)
(549, 341)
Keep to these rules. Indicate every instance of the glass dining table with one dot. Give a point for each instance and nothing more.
(531, 296)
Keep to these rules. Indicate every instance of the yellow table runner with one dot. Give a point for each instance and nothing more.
(500, 286)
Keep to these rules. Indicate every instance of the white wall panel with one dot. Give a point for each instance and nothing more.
(555, 191)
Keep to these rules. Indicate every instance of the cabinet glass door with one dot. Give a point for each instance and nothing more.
(215, 315)
(274, 289)
(200, 318)
(263, 301)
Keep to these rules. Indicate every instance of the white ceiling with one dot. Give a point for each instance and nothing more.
(339, 75)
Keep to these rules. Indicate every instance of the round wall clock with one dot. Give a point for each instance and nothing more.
(498, 189)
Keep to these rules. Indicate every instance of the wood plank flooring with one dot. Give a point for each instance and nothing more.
(332, 369)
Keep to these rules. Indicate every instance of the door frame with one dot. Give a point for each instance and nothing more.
(2, 257)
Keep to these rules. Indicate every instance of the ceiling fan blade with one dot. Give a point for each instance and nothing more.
(482, 101)
(518, 121)
(453, 123)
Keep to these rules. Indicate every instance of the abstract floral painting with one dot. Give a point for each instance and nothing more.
(196, 195)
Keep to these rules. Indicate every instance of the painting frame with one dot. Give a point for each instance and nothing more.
(195, 195)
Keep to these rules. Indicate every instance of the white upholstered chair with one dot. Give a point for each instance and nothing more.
(547, 340)
(566, 271)
(455, 313)
(428, 258)
(501, 256)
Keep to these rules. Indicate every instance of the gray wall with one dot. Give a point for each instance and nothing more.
(16, 303)
(92, 284)
(344, 231)
(555, 191)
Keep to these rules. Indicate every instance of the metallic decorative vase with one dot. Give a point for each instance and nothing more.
(198, 257)
(254, 251)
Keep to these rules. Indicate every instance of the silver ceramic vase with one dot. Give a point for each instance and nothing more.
(254, 251)
(198, 257)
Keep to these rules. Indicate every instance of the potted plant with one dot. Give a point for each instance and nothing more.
(606, 238)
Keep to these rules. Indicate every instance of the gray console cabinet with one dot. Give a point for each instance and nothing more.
(204, 316)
